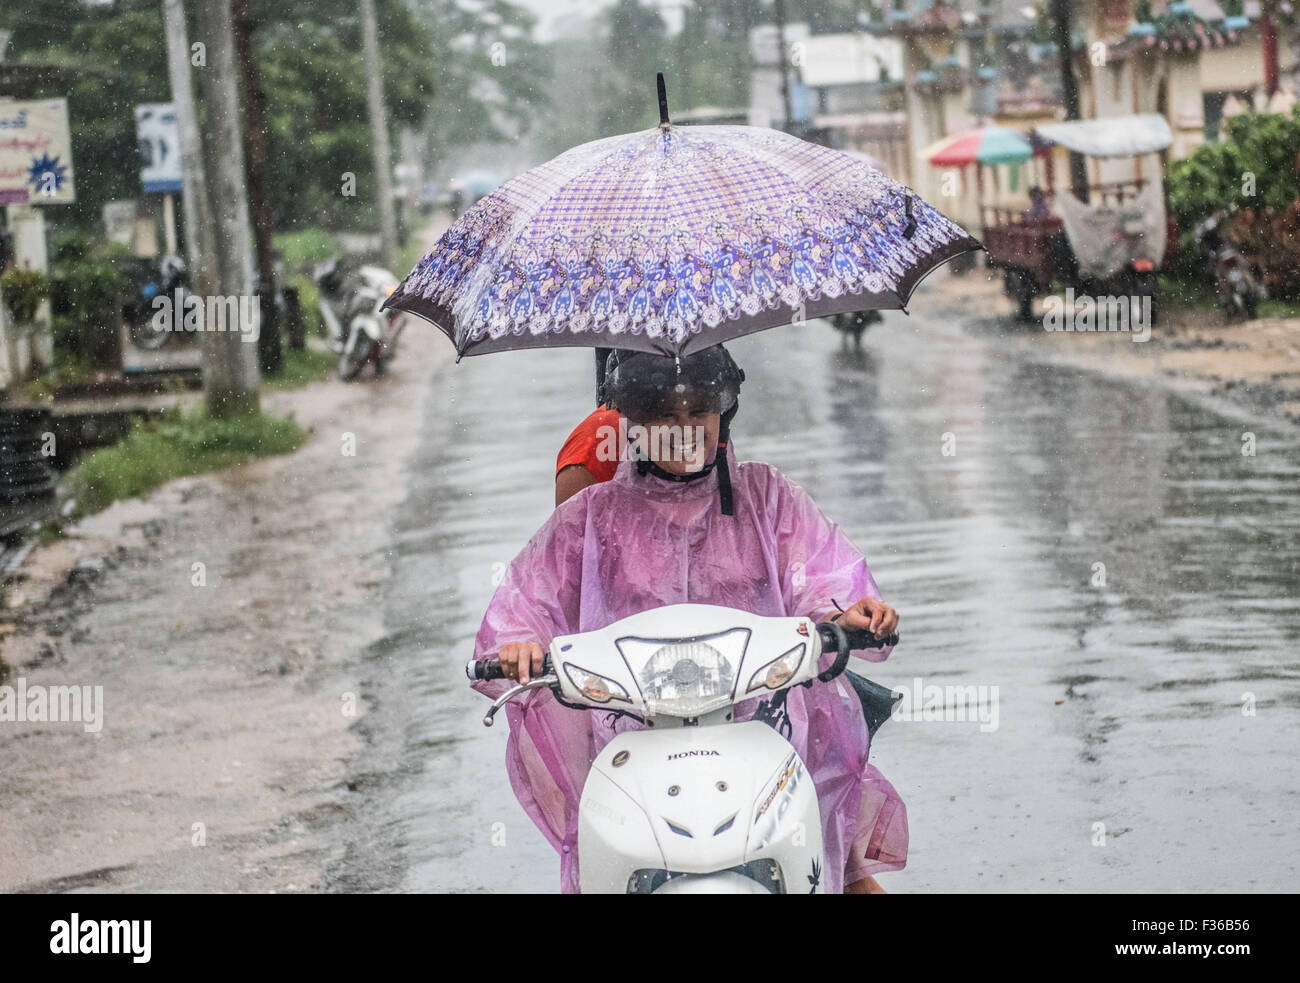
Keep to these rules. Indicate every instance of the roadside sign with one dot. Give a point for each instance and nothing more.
(35, 153)
(159, 137)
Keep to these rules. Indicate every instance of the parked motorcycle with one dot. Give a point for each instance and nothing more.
(1239, 293)
(145, 330)
(350, 302)
(696, 803)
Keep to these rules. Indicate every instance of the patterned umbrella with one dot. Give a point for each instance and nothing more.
(875, 162)
(674, 239)
(986, 145)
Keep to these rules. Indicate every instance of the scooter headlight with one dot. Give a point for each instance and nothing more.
(686, 677)
(690, 677)
(595, 687)
(779, 671)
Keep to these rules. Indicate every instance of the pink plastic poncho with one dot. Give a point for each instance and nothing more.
(638, 542)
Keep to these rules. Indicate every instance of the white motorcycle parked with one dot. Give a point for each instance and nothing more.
(351, 302)
(695, 803)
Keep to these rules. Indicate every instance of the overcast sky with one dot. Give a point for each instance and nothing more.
(551, 14)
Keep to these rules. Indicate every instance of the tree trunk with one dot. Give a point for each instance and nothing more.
(259, 201)
(230, 373)
(379, 134)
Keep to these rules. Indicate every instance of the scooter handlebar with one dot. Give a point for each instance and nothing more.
(861, 638)
(477, 669)
(834, 637)
(843, 641)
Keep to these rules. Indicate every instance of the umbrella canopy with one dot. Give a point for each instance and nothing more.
(985, 145)
(674, 239)
(870, 161)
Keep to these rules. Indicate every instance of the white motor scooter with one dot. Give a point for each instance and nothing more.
(694, 803)
(351, 305)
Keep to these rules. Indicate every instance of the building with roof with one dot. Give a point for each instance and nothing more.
(968, 62)
(845, 90)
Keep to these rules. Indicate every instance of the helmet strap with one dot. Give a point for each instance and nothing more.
(720, 459)
(646, 466)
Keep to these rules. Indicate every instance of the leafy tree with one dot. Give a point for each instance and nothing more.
(493, 79)
(1254, 171)
(310, 55)
(711, 54)
(123, 45)
(637, 49)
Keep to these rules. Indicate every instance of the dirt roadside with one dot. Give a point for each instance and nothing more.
(223, 744)
(1252, 364)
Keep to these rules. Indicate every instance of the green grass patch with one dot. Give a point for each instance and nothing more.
(1197, 294)
(177, 446)
(303, 250)
(309, 300)
(302, 367)
(1279, 308)
(1202, 294)
(410, 254)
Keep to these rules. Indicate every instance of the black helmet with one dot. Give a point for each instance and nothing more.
(642, 386)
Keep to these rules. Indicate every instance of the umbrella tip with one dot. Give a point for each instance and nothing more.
(663, 98)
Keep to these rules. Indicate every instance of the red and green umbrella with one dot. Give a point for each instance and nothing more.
(986, 145)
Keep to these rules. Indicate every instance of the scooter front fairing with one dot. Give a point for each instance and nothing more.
(732, 808)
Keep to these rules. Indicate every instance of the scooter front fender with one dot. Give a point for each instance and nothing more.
(699, 801)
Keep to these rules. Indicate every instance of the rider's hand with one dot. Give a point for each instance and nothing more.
(874, 615)
(522, 660)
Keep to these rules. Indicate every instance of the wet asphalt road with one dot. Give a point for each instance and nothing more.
(1122, 760)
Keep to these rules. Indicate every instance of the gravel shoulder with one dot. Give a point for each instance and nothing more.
(225, 617)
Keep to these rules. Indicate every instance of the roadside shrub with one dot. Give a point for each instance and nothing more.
(22, 292)
(1257, 168)
(89, 282)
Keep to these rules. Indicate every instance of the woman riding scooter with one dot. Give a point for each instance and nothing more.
(681, 521)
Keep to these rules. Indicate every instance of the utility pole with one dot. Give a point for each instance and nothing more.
(781, 62)
(259, 201)
(379, 134)
(1268, 40)
(1069, 90)
(230, 373)
(194, 194)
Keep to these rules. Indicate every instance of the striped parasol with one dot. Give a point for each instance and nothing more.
(985, 145)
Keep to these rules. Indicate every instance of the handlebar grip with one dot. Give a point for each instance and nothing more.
(477, 669)
(843, 641)
(860, 638)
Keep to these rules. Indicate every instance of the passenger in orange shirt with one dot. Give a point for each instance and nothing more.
(579, 463)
